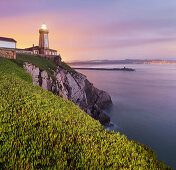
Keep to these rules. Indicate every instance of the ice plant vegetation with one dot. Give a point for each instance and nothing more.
(41, 130)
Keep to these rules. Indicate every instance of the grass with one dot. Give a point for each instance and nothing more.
(8, 67)
(67, 67)
(38, 61)
(39, 130)
(42, 63)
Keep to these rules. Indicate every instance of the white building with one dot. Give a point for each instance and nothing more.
(7, 42)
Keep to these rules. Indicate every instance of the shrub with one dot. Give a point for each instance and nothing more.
(39, 130)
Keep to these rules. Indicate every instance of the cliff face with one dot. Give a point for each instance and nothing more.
(73, 86)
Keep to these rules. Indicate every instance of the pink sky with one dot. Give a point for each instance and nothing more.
(94, 30)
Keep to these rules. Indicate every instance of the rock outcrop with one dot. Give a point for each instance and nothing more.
(73, 86)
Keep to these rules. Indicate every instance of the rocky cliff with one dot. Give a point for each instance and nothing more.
(73, 86)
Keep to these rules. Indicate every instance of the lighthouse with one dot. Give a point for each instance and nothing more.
(43, 48)
(43, 40)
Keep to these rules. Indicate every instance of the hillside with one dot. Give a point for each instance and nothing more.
(9, 67)
(41, 130)
(56, 76)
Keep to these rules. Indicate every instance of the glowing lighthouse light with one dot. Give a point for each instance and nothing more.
(43, 40)
(44, 27)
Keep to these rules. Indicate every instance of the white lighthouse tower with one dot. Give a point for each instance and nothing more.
(43, 40)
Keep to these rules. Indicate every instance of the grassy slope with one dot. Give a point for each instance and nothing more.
(38, 61)
(40, 130)
(8, 67)
(67, 67)
(43, 64)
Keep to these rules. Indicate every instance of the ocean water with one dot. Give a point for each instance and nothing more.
(144, 105)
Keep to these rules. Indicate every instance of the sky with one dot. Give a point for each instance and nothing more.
(94, 29)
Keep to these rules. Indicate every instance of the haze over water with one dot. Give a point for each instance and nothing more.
(144, 105)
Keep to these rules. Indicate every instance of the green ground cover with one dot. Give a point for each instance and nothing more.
(8, 67)
(39, 130)
(67, 67)
(38, 61)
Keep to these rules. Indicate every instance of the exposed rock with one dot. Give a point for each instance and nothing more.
(34, 72)
(75, 87)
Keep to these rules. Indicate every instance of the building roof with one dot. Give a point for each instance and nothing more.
(33, 48)
(37, 48)
(7, 39)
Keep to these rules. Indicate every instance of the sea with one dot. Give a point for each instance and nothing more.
(144, 104)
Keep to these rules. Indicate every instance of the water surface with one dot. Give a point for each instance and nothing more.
(144, 105)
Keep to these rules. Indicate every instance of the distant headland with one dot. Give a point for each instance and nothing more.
(107, 69)
(126, 61)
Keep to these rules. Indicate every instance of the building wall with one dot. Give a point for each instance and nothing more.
(6, 44)
(43, 40)
(23, 51)
(55, 58)
(50, 52)
(8, 53)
